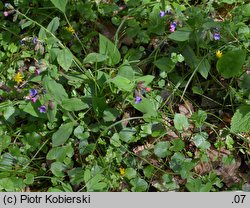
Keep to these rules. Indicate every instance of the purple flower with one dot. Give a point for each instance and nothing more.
(42, 109)
(137, 99)
(217, 36)
(33, 93)
(162, 13)
(37, 72)
(34, 99)
(173, 26)
(35, 40)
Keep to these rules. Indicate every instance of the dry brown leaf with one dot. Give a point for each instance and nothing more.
(229, 173)
(137, 150)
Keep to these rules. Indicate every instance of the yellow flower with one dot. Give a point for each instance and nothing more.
(70, 29)
(218, 54)
(18, 77)
(122, 171)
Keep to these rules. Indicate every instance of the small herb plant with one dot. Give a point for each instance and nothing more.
(124, 95)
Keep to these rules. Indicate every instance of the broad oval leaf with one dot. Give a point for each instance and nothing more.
(53, 25)
(62, 134)
(95, 58)
(146, 106)
(230, 64)
(57, 168)
(161, 149)
(108, 48)
(74, 104)
(200, 141)
(241, 120)
(180, 122)
(54, 89)
(65, 58)
(60, 4)
(122, 83)
(180, 35)
(204, 67)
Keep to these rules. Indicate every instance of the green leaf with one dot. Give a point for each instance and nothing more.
(87, 175)
(60, 4)
(115, 140)
(76, 176)
(62, 134)
(4, 142)
(60, 153)
(65, 58)
(106, 47)
(26, 24)
(79, 132)
(241, 120)
(51, 112)
(199, 118)
(180, 122)
(42, 34)
(149, 171)
(196, 185)
(165, 64)
(145, 79)
(110, 114)
(7, 184)
(29, 178)
(54, 89)
(180, 35)
(180, 164)
(204, 68)
(230, 64)
(161, 149)
(95, 58)
(53, 25)
(130, 173)
(146, 106)
(57, 168)
(190, 57)
(139, 185)
(127, 134)
(200, 141)
(126, 71)
(94, 182)
(99, 105)
(74, 104)
(32, 109)
(178, 145)
(9, 114)
(122, 83)
(56, 153)
(86, 148)
(245, 10)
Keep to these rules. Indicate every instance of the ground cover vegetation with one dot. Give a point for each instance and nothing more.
(124, 95)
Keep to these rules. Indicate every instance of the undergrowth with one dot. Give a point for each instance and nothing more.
(124, 95)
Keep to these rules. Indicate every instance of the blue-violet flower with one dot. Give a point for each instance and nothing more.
(42, 109)
(162, 13)
(217, 36)
(173, 26)
(138, 99)
(33, 93)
